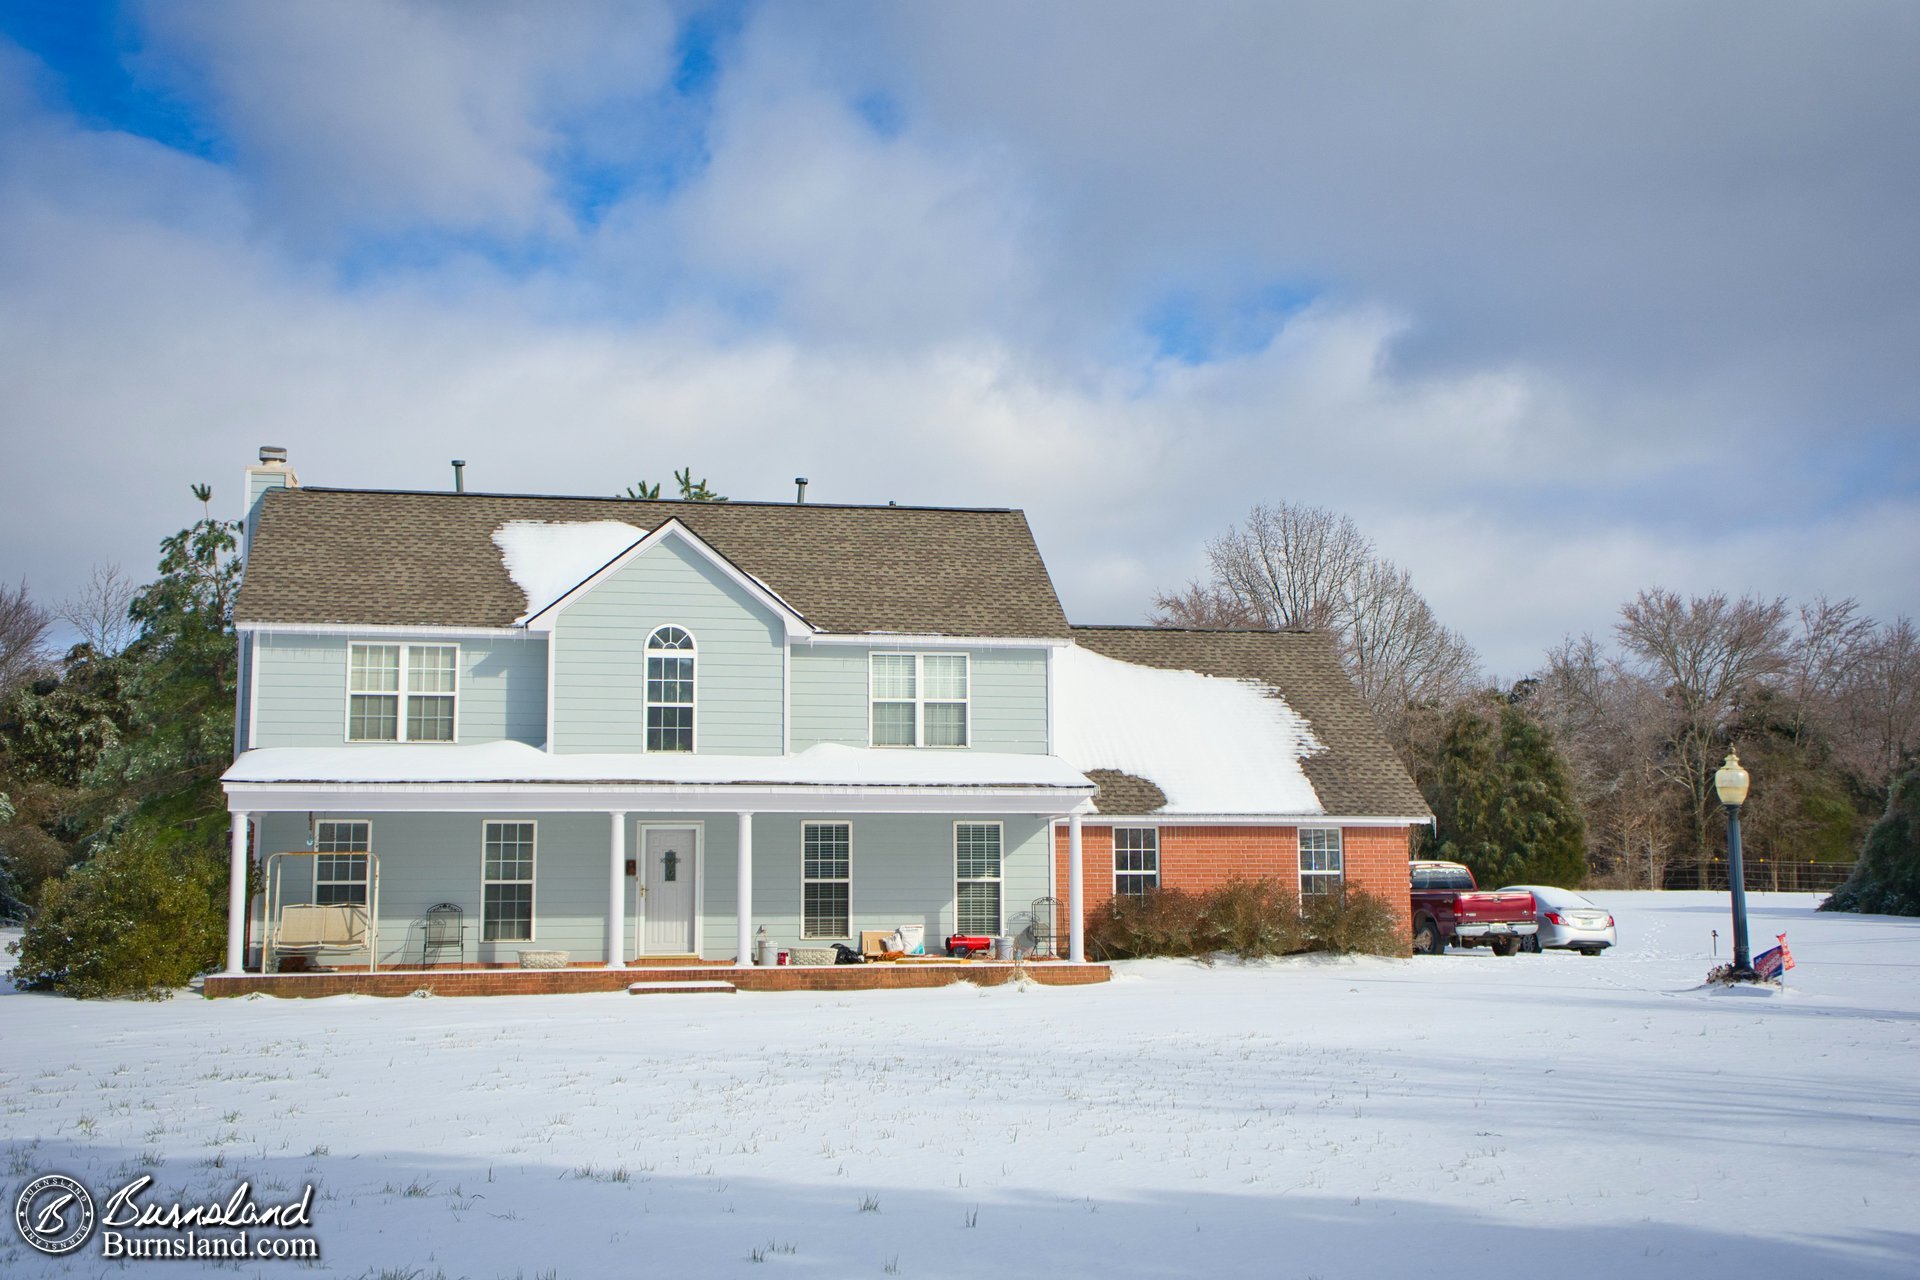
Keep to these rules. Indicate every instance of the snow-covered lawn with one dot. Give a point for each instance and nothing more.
(1541, 1115)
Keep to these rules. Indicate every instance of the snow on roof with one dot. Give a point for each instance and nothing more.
(1213, 745)
(825, 765)
(546, 560)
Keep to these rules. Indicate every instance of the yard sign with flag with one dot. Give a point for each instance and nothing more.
(1771, 964)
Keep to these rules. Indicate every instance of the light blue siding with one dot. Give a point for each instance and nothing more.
(903, 873)
(600, 663)
(1008, 696)
(303, 689)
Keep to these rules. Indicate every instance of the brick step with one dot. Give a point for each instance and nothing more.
(684, 987)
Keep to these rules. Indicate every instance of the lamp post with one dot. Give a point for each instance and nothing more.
(1731, 782)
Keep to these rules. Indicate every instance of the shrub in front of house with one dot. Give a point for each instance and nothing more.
(1252, 919)
(141, 917)
(1354, 923)
(1166, 922)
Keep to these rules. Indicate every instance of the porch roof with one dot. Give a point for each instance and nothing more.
(515, 775)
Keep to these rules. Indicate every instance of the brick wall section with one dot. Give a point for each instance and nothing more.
(1201, 858)
(527, 982)
(1376, 860)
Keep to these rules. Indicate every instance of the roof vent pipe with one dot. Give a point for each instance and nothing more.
(459, 475)
(272, 455)
(801, 481)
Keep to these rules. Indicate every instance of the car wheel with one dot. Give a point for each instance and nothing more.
(1531, 944)
(1590, 952)
(1505, 946)
(1426, 938)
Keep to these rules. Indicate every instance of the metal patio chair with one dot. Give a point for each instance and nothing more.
(446, 929)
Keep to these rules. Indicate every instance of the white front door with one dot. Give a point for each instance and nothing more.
(669, 877)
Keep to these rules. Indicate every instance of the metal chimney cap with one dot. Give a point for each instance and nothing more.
(272, 455)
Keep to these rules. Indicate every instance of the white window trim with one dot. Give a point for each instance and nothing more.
(999, 882)
(920, 700)
(365, 881)
(1300, 859)
(1117, 872)
(806, 879)
(400, 722)
(532, 881)
(646, 703)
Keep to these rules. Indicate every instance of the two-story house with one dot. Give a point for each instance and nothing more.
(616, 731)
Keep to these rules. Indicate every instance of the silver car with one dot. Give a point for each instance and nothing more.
(1568, 922)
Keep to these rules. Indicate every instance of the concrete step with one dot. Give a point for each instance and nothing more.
(683, 987)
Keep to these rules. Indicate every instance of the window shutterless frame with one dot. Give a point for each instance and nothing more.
(340, 864)
(402, 684)
(1136, 859)
(979, 860)
(911, 698)
(826, 865)
(674, 692)
(531, 879)
(1322, 867)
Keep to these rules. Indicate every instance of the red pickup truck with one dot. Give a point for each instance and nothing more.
(1449, 907)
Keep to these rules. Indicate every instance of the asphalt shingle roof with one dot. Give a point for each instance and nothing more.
(1357, 775)
(355, 556)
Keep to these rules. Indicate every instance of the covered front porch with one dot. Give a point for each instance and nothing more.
(461, 882)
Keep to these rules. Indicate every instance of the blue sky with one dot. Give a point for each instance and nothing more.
(1558, 303)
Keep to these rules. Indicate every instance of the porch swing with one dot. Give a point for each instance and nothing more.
(312, 928)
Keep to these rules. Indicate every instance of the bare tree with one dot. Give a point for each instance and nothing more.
(1292, 566)
(1882, 700)
(23, 637)
(1203, 606)
(1705, 652)
(99, 611)
(1395, 648)
(1822, 658)
(1612, 723)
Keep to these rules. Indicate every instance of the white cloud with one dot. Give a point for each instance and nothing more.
(355, 116)
(943, 313)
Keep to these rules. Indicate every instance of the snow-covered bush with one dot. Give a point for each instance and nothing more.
(1886, 879)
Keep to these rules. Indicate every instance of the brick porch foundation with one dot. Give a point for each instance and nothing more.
(528, 982)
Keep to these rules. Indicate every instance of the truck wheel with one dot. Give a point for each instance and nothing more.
(1505, 946)
(1426, 938)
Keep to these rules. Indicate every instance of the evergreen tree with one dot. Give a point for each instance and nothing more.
(691, 490)
(1502, 799)
(1886, 879)
(142, 738)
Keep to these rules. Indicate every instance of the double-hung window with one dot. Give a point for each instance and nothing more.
(918, 699)
(826, 879)
(506, 907)
(340, 862)
(976, 874)
(402, 692)
(1320, 866)
(669, 690)
(1136, 859)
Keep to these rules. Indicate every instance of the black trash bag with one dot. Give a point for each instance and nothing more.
(844, 954)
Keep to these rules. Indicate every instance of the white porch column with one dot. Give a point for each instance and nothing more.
(1076, 904)
(743, 893)
(617, 893)
(237, 898)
